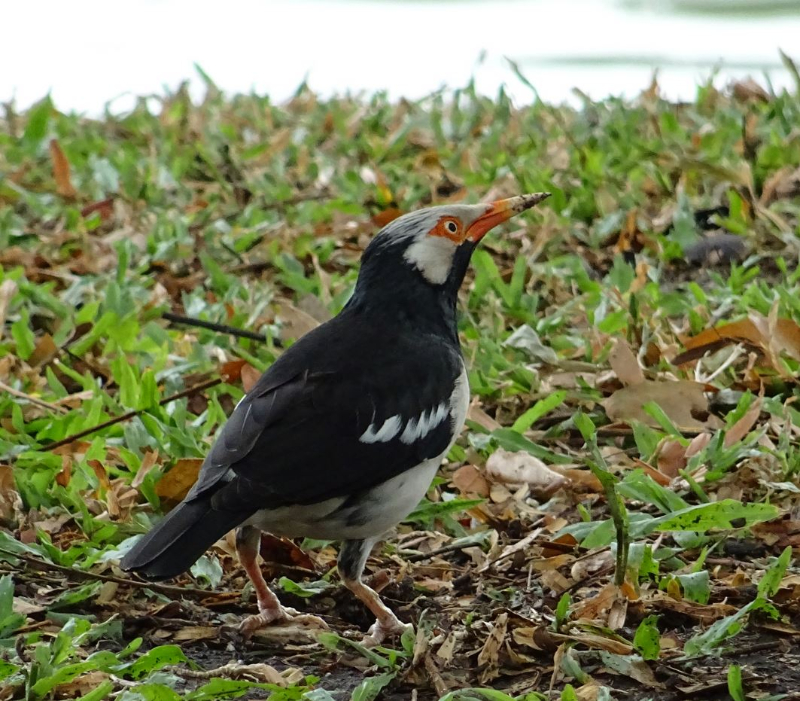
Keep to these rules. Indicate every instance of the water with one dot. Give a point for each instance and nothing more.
(90, 52)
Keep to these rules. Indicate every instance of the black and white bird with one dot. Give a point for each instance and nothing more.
(342, 436)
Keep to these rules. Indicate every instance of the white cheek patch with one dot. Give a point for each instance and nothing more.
(388, 430)
(415, 429)
(433, 257)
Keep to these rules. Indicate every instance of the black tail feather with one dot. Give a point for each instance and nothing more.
(179, 539)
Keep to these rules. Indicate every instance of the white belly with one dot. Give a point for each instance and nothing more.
(376, 510)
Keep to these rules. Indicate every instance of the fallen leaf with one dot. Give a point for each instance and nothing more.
(479, 416)
(672, 456)
(8, 288)
(149, 461)
(385, 216)
(231, 371)
(282, 551)
(105, 208)
(625, 364)
(782, 184)
(295, 323)
(177, 482)
(470, 480)
(747, 89)
(10, 501)
(588, 566)
(81, 685)
(742, 427)
(61, 171)
(44, 351)
(192, 633)
(631, 666)
(769, 337)
(489, 656)
(26, 607)
(249, 377)
(684, 402)
(594, 609)
(523, 468)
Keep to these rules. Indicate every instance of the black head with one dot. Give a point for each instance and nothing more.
(418, 261)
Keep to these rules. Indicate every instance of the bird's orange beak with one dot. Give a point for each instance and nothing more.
(501, 210)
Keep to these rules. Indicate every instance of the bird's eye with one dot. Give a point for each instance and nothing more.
(451, 226)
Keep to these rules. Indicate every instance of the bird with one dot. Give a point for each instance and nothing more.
(342, 435)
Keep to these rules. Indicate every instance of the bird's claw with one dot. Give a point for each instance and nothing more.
(279, 614)
(381, 630)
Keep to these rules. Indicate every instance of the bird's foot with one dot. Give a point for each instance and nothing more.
(279, 614)
(383, 628)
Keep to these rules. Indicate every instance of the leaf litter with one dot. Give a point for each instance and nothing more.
(154, 263)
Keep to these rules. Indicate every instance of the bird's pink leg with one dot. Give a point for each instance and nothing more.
(352, 558)
(386, 623)
(270, 610)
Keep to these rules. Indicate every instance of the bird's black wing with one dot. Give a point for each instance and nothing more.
(333, 417)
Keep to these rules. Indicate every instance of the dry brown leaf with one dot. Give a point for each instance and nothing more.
(149, 461)
(625, 364)
(82, 685)
(672, 456)
(743, 426)
(44, 351)
(283, 551)
(382, 218)
(176, 483)
(747, 89)
(588, 692)
(489, 656)
(782, 184)
(249, 377)
(231, 371)
(295, 322)
(684, 402)
(8, 288)
(703, 613)
(599, 642)
(523, 468)
(479, 416)
(10, 501)
(588, 566)
(61, 172)
(595, 608)
(470, 480)
(192, 633)
(618, 613)
(580, 480)
(26, 607)
(770, 337)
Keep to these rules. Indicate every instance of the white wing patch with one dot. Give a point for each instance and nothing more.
(415, 429)
(388, 430)
(421, 427)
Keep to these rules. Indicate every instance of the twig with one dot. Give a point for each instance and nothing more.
(33, 400)
(222, 328)
(82, 574)
(452, 547)
(435, 676)
(129, 415)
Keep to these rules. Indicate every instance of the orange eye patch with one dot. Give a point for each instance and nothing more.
(449, 228)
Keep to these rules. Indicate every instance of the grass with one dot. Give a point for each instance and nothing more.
(252, 215)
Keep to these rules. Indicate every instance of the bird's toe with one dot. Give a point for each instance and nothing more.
(381, 630)
(279, 615)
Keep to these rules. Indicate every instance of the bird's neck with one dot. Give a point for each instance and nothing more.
(423, 309)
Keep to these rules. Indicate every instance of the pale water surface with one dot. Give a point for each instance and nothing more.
(90, 52)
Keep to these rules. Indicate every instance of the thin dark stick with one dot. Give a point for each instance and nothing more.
(82, 574)
(222, 328)
(124, 417)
